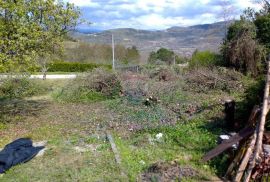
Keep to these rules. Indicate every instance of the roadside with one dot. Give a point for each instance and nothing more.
(48, 76)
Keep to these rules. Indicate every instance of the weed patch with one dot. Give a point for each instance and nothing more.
(20, 87)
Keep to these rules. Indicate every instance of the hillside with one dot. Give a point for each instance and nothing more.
(183, 40)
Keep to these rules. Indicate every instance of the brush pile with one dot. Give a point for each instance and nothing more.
(252, 162)
(205, 79)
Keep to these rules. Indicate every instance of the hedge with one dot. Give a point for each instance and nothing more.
(74, 67)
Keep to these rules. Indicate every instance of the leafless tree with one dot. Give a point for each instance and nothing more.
(265, 5)
(227, 13)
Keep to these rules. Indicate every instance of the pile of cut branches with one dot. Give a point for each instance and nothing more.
(252, 161)
(204, 79)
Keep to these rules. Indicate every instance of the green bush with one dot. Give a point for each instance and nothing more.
(74, 67)
(100, 84)
(180, 60)
(20, 87)
(204, 59)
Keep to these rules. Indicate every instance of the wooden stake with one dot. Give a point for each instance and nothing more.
(245, 160)
(235, 162)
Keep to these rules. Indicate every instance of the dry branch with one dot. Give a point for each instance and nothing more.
(259, 140)
(245, 160)
(235, 162)
(116, 153)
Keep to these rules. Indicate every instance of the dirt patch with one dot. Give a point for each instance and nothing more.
(162, 171)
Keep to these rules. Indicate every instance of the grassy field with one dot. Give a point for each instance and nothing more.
(169, 135)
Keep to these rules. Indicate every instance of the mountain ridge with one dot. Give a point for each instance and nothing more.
(183, 40)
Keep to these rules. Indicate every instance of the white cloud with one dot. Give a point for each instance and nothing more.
(84, 3)
(157, 6)
(248, 3)
(156, 14)
(157, 21)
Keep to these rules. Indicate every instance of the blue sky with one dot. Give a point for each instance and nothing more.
(158, 14)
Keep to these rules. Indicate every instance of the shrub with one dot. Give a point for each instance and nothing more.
(74, 67)
(20, 87)
(162, 55)
(204, 59)
(100, 84)
(180, 60)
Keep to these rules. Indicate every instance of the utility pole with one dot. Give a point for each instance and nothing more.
(113, 61)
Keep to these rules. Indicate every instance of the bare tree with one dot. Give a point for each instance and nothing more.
(265, 5)
(227, 13)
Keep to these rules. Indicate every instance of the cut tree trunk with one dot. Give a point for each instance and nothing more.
(229, 114)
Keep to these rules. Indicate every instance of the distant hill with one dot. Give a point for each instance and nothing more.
(183, 40)
(88, 31)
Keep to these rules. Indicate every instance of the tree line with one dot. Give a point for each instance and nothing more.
(100, 53)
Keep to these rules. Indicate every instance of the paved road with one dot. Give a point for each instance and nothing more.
(54, 76)
(71, 76)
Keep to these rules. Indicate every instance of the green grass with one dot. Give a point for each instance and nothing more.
(80, 95)
(185, 143)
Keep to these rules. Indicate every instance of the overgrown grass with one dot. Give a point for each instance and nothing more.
(189, 121)
(21, 87)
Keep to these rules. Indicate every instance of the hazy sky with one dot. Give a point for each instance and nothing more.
(156, 14)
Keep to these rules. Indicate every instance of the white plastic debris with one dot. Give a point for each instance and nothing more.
(159, 136)
(224, 137)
